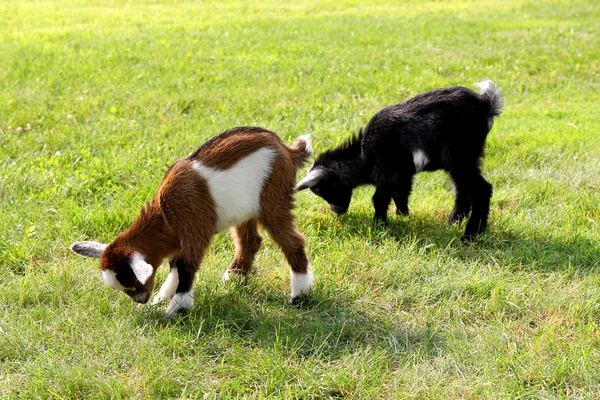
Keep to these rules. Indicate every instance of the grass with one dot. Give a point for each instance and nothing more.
(100, 97)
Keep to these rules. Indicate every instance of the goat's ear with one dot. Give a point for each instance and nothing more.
(310, 180)
(88, 249)
(142, 270)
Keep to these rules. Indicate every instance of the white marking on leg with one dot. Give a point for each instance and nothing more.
(226, 277)
(420, 159)
(168, 289)
(232, 276)
(301, 283)
(110, 279)
(236, 190)
(181, 301)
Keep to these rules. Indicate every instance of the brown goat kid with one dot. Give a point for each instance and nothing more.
(240, 178)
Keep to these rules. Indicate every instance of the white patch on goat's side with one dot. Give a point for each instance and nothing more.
(142, 270)
(168, 288)
(110, 279)
(301, 283)
(236, 191)
(420, 159)
(181, 301)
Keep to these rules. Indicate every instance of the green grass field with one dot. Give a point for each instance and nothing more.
(98, 98)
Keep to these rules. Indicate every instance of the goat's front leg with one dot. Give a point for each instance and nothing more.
(168, 288)
(247, 243)
(381, 201)
(187, 264)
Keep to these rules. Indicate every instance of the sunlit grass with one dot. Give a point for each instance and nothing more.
(99, 98)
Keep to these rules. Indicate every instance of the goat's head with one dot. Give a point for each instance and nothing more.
(327, 184)
(122, 268)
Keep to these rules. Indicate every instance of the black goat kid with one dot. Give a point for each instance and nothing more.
(440, 129)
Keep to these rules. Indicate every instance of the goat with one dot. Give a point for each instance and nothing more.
(239, 178)
(442, 129)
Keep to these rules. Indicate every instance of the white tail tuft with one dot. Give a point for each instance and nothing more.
(490, 92)
(306, 139)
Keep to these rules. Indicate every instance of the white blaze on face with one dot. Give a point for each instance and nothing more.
(110, 279)
(420, 159)
(236, 191)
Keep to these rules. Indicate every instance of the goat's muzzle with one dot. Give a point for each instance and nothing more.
(139, 297)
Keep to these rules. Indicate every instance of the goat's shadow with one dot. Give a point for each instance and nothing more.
(332, 323)
(327, 325)
(538, 252)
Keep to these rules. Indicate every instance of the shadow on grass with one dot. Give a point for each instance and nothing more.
(332, 324)
(326, 327)
(536, 252)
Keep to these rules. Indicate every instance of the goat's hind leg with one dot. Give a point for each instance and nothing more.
(480, 194)
(247, 243)
(401, 196)
(462, 202)
(282, 230)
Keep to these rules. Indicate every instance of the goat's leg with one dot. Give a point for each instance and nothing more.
(480, 194)
(462, 202)
(247, 243)
(403, 189)
(187, 265)
(381, 201)
(168, 288)
(282, 230)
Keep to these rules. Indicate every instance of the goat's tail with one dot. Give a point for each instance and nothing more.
(301, 150)
(490, 93)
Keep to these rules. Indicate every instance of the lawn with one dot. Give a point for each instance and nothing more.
(98, 98)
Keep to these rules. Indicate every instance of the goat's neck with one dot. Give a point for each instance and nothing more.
(347, 162)
(353, 172)
(151, 235)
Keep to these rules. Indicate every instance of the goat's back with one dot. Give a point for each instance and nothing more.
(228, 179)
(448, 125)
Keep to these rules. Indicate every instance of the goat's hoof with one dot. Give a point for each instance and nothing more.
(455, 218)
(233, 276)
(298, 300)
(402, 213)
(381, 221)
(468, 239)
